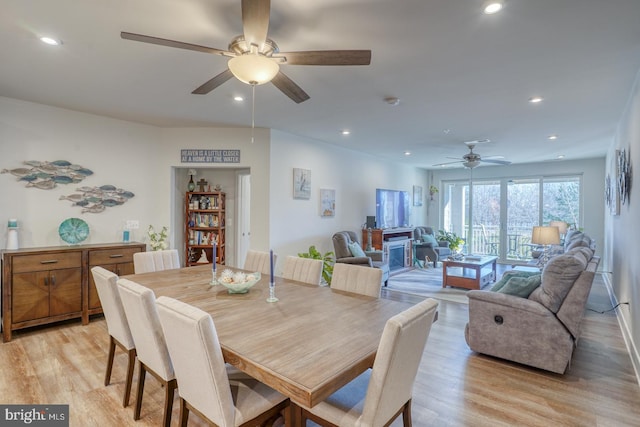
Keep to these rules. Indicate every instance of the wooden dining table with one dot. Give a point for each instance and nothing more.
(307, 345)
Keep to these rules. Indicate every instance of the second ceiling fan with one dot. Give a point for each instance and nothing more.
(472, 160)
(256, 59)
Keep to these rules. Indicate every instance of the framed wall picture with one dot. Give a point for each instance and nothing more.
(301, 183)
(417, 195)
(327, 202)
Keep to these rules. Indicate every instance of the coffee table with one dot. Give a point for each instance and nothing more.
(469, 273)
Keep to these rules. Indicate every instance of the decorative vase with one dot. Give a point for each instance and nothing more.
(192, 185)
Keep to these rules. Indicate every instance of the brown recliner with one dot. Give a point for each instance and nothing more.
(341, 241)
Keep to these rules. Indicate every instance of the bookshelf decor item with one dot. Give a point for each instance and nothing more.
(204, 227)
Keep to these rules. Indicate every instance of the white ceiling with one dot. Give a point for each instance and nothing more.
(452, 67)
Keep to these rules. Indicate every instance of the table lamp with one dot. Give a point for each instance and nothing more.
(545, 236)
(562, 227)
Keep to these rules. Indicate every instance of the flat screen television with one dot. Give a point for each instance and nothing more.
(392, 208)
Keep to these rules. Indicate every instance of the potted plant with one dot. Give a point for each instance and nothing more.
(327, 262)
(455, 241)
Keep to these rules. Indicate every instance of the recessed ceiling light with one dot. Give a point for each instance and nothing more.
(552, 137)
(492, 6)
(50, 41)
(238, 98)
(535, 99)
(346, 132)
(561, 156)
(407, 153)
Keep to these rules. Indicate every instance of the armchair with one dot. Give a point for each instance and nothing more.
(341, 242)
(434, 252)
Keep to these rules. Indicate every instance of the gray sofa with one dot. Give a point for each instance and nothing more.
(341, 241)
(435, 253)
(542, 330)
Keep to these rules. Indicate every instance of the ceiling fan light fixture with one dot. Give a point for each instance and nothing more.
(471, 164)
(253, 69)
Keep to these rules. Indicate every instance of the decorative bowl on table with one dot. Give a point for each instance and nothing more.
(238, 282)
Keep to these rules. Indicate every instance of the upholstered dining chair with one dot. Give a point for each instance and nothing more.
(139, 304)
(204, 386)
(305, 270)
(357, 279)
(147, 262)
(381, 394)
(258, 261)
(117, 325)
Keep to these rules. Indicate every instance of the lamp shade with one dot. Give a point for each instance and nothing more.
(253, 69)
(562, 226)
(545, 235)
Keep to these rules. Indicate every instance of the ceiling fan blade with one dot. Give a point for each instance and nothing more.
(326, 57)
(289, 88)
(448, 163)
(255, 21)
(496, 161)
(173, 43)
(213, 83)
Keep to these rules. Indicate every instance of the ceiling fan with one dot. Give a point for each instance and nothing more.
(256, 59)
(472, 160)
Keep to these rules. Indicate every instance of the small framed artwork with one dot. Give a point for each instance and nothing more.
(417, 195)
(301, 183)
(327, 202)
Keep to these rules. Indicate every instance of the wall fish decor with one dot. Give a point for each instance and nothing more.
(97, 199)
(47, 175)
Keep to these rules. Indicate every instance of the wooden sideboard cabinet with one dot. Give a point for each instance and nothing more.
(51, 284)
(118, 260)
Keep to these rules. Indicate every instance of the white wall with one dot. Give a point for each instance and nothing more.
(623, 232)
(116, 151)
(297, 224)
(146, 160)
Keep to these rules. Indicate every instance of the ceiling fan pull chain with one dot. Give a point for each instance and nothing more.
(253, 110)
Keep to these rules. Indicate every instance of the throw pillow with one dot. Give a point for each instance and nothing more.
(521, 286)
(510, 274)
(430, 240)
(356, 250)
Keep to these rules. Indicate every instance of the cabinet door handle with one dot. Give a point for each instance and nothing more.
(46, 281)
(53, 280)
(116, 256)
(50, 261)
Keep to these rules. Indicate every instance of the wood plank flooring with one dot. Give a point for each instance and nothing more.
(454, 387)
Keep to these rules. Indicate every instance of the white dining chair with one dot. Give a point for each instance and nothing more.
(117, 325)
(259, 261)
(139, 304)
(305, 270)
(357, 279)
(147, 262)
(381, 394)
(204, 385)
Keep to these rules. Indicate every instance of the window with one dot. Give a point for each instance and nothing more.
(497, 217)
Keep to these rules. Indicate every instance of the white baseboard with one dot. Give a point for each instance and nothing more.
(624, 327)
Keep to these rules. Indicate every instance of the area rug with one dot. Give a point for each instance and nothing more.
(428, 283)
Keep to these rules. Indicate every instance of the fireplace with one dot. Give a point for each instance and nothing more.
(396, 257)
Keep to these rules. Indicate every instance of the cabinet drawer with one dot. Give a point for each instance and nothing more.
(112, 256)
(48, 261)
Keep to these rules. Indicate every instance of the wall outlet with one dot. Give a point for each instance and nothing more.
(133, 224)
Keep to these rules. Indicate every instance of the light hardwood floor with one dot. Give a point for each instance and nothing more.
(455, 387)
